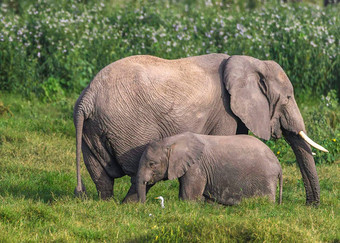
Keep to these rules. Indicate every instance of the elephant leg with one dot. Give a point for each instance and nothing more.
(272, 189)
(192, 184)
(132, 196)
(191, 188)
(103, 182)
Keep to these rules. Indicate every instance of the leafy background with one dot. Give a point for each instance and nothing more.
(53, 47)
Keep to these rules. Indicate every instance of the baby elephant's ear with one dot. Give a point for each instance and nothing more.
(183, 152)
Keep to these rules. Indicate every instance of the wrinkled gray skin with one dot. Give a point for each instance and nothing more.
(220, 168)
(142, 98)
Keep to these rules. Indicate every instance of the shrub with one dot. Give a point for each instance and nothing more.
(72, 41)
(323, 123)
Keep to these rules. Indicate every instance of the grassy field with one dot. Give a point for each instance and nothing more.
(37, 151)
(50, 50)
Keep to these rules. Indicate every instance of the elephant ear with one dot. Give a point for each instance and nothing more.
(244, 80)
(183, 152)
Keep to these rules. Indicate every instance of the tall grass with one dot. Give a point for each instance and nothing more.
(56, 47)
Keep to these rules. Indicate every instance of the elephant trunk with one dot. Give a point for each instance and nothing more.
(141, 192)
(141, 187)
(307, 167)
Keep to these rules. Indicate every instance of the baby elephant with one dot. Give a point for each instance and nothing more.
(220, 168)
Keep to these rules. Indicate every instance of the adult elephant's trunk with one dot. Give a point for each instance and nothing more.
(306, 163)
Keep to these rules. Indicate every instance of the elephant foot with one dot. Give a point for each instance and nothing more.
(105, 195)
(130, 198)
(313, 203)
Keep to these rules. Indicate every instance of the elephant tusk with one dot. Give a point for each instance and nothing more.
(311, 142)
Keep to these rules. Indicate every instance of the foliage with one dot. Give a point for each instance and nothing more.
(70, 41)
(37, 205)
(52, 89)
(4, 110)
(324, 124)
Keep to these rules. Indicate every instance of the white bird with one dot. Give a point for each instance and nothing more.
(162, 200)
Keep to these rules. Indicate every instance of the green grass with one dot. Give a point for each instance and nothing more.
(37, 179)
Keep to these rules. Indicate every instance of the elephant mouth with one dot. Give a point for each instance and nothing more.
(276, 129)
(150, 183)
(276, 135)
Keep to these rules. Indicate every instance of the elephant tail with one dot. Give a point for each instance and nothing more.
(82, 111)
(79, 121)
(280, 187)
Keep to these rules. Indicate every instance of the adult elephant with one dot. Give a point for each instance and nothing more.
(142, 98)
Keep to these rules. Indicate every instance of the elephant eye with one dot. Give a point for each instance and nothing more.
(263, 85)
(152, 163)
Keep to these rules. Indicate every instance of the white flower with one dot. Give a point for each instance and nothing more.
(208, 3)
(331, 39)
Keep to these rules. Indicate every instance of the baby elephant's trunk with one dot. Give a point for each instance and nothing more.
(141, 191)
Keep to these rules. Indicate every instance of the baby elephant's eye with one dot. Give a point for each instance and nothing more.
(152, 163)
